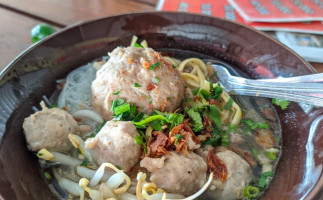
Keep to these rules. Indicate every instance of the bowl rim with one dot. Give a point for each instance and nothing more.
(311, 193)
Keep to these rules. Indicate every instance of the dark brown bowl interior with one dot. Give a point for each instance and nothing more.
(34, 72)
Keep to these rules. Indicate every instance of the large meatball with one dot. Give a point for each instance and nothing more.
(49, 129)
(115, 144)
(177, 173)
(128, 71)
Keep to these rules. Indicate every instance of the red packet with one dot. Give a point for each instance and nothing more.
(223, 9)
(279, 10)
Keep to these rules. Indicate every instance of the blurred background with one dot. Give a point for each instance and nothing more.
(296, 23)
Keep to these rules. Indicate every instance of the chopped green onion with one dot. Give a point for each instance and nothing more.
(47, 175)
(253, 126)
(152, 67)
(205, 94)
(196, 91)
(232, 128)
(53, 106)
(170, 99)
(263, 178)
(157, 79)
(280, 102)
(117, 92)
(138, 45)
(271, 155)
(251, 192)
(156, 125)
(254, 152)
(215, 92)
(141, 139)
(228, 105)
(150, 119)
(84, 163)
(214, 141)
(215, 114)
(149, 100)
(40, 154)
(122, 108)
(137, 85)
(174, 66)
(118, 167)
(178, 137)
(139, 117)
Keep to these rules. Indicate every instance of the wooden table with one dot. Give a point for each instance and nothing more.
(17, 17)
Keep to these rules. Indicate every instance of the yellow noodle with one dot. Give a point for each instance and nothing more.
(196, 77)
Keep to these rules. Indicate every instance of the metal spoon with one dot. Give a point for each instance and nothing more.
(303, 89)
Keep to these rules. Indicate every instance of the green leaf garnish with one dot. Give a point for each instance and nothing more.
(196, 91)
(117, 92)
(152, 67)
(280, 102)
(197, 120)
(137, 85)
(263, 179)
(178, 137)
(47, 175)
(157, 79)
(228, 105)
(215, 92)
(138, 45)
(253, 126)
(215, 114)
(84, 163)
(271, 155)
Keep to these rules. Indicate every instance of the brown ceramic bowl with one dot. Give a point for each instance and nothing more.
(33, 74)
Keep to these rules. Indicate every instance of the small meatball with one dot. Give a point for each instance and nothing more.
(180, 174)
(239, 175)
(49, 129)
(115, 144)
(161, 88)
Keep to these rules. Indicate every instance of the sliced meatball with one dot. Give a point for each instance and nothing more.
(115, 144)
(129, 71)
(180, 174)
(49, 129)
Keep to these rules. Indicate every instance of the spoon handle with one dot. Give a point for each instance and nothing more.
(304, 89)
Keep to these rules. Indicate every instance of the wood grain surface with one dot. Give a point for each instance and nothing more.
(14, 35)
(66, 12)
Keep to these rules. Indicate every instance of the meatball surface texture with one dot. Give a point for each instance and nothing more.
(142, 77)
(115, 144)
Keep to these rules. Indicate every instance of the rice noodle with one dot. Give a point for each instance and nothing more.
(88, 114)
(76, 94)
